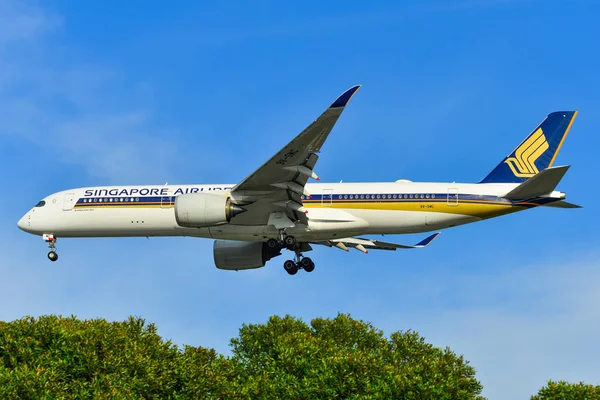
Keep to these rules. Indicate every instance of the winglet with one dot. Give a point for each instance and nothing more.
(427, 240)
(345, 97)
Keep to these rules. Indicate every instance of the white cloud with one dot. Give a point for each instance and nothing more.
(78, 113)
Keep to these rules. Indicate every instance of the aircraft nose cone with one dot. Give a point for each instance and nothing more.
(23, 223)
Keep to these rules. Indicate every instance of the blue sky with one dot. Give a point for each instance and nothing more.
(189, 92)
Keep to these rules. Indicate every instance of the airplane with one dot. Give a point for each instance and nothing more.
(275, 208)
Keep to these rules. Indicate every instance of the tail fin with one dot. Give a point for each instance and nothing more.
(535, 153)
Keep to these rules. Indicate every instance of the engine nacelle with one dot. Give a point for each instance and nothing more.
(201, 210)
(236, 255)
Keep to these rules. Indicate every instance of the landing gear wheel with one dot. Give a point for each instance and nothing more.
(307, 264)
(290, 242)
(51, 240)
(273, 244)
(290, 267)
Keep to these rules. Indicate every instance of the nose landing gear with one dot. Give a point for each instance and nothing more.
(51, 240)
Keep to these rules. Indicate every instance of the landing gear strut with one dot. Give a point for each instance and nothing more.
(51, 240)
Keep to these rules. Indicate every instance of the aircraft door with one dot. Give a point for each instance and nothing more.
(327, 197)
(452, 197)
(68, 201)
(166, 200)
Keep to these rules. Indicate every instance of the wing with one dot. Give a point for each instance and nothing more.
(365, 244)
(272, 193)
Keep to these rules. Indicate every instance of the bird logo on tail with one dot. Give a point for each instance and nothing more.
(523, 163)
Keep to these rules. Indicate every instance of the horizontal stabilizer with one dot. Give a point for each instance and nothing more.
(562, 204)
(367, 244)
(540, 184)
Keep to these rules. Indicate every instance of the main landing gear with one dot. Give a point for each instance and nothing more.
(305, 263)
(51, 240)
(290, 243)
(285, 242)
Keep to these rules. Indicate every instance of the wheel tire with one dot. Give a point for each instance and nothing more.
(273, 244)
(290, 242)
(307, 264)
(290, 267)
(52, 256)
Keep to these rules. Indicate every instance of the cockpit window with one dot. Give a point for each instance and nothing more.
(41, 204)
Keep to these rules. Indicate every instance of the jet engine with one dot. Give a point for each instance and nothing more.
(236, 255)
(201, 210)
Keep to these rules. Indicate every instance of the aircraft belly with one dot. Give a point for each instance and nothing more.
(400, 221)
(314, 231)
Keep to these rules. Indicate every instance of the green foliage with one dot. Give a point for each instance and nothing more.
(345, 358)
(568, 391)
(55, 357)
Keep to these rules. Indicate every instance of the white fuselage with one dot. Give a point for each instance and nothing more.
(334, 210)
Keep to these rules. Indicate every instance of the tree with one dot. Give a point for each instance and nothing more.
(567, 391)
(345, 358)
(56, 357)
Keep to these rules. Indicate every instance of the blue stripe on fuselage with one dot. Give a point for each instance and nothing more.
(140, 201)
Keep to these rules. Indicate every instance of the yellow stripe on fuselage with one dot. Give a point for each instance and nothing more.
(464, 207)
